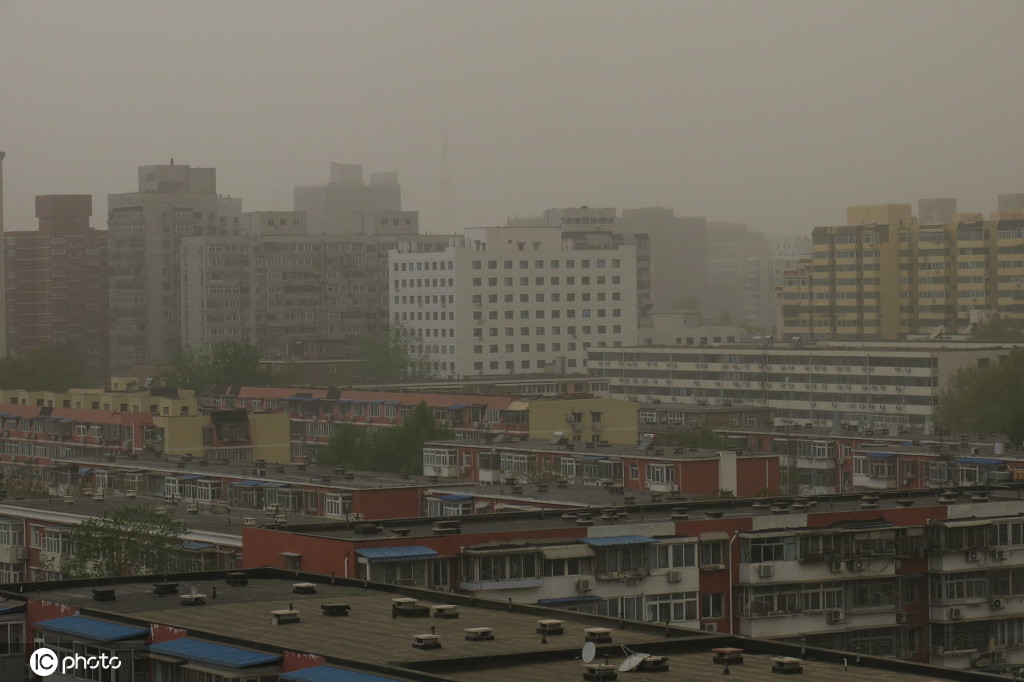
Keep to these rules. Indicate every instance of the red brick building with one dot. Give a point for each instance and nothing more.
(57, 287)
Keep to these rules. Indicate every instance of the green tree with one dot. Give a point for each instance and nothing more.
(128, 541)
(987, 399)
(399, 448)
(389, 355)
(52, 367)
(223, 363)
(999, 329)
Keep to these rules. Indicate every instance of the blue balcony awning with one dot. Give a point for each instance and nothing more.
(881, 455)
(191, 544)
(456, 407)
(406, 553)
(392, 402)
(980, 460)
(569, 600)
(456, 498)
(328, 673)
(217, 654)
(247, 484)
(618, 540)
(92, 628)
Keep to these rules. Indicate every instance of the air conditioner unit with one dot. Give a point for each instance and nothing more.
(765, 570)
(901, 617)
(836, 616)
(21, 553)
(858, 565)
(974, 555)
(584, 585)
(674, 576)
(837, 567)
(1001, 554)
(996, 604)
(956, 613)
(709, 627)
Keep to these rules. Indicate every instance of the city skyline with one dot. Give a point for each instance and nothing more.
(777, 116)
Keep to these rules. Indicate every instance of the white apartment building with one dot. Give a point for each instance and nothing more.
(868, 385)
(503, 300)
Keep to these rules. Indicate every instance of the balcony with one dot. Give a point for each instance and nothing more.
(514, 584)
(629, 574)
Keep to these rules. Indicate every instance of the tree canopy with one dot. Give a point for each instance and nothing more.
(999, 330)
(988, 399)
(223, 363)
(388, 355)
(394, 449)
(53, 367)
(128, 541)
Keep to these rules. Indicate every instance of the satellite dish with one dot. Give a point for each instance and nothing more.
(589, 651)
(632, 662)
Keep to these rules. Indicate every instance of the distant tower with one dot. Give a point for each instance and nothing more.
(447, 203)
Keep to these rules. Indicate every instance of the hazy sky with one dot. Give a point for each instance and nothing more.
(776, 113)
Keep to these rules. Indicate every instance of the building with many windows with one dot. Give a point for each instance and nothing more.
(145, 229)
(505, 300)
(340, 205)
(869, 385)
(885, 276)
(56, 282)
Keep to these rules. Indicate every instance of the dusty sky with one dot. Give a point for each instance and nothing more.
(776, 113)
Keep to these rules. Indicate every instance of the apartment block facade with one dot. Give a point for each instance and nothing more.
(145, 230)
(867, 386)
(503, 300)
(338, 207)
(896, 278)
(57, 282)
(301, 295)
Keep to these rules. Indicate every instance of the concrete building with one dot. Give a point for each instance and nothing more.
(145, 232)
(935, 211)
(684, 328)
(304, 296)
(898, 278)
(57, 284)
(365, 633)
(740, 276)
(339, 206)
(874, 575)
(1011, 202)
(678, 248)
(505, 300)
(868, 385)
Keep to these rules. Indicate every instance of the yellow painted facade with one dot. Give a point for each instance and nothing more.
(587, 420)
(873, 281)
(99, 399)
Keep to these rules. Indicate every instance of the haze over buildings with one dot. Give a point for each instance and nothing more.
(774, 115)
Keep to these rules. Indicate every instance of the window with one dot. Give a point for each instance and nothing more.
(711, 605)
(662, 608)
(712, 553)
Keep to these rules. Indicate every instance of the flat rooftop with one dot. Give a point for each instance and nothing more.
(371, 639)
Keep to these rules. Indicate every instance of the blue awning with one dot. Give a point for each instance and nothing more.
(198, 545)
(328, 673)
(344, 400)
(980, 460)
(456, 498)
(84, 471)
(406, 553)
(569, 600)
(377, 402)
(392, 402)
(247, 484)
(208, 652)
(881, 455)
(188, 477)
(92, 628)
(456, 407)
(303, 399)
(618, 540)
(592, 458)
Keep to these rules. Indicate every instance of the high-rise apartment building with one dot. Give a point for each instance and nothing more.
(891, 279)
(339, 206)
(57, 282)
(1011, 202)
(503, 300)
(145, 232)
(292, 294)
(678, 250)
